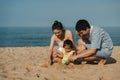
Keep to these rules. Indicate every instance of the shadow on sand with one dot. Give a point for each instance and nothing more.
(111, 60)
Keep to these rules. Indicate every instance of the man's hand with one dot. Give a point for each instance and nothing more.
(73, 58)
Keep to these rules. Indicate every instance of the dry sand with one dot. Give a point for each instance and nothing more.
(23, 63)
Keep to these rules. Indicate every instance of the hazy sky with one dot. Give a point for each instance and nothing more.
(44, 12)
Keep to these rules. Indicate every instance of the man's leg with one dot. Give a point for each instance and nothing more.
(101, 61)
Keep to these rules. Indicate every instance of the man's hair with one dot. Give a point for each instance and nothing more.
(57, 25)
(82, 25)
(68, 42)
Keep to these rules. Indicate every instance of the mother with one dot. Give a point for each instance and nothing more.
(59, 36)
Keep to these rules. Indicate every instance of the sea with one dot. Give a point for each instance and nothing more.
(40, 36)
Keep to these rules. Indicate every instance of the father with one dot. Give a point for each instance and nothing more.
(97, 42)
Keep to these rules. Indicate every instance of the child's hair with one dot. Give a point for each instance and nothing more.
(57, 25)
(68, 42)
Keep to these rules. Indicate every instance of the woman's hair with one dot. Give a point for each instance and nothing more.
(68, 42)
(82, 25)
(57, 25)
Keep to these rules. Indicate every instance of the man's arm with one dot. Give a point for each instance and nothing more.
(84, 53)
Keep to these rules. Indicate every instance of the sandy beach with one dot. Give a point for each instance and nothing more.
(23, 63)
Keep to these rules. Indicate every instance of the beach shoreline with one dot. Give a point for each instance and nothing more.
(23, 63)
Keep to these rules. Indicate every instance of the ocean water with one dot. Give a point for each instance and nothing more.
(40, 36)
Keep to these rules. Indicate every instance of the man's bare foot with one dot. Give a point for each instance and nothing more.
(96, 60)
(102, 62)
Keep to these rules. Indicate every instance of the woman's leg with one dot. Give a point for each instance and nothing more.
(55, 57)
(57, 60)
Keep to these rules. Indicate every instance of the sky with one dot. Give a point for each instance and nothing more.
(43, 13)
